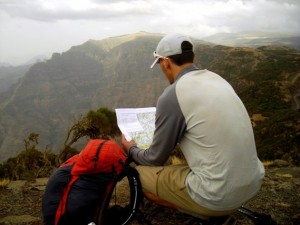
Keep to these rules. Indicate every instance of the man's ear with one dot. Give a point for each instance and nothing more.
(167, 63)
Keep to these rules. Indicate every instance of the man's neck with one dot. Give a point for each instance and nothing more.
(178, 69)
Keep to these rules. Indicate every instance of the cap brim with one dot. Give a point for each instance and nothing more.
(155, 61)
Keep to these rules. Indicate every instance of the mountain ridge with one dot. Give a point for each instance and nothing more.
(255, 39)
(96, 74)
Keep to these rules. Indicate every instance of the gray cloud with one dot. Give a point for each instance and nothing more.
(233, 13)
(56, 25)
(294, 2)
(32, 9)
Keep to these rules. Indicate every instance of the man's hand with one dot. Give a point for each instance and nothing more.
(127, 144)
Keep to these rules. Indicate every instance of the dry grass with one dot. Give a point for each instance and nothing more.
(4, 182)
(268, 163)
(285, 175)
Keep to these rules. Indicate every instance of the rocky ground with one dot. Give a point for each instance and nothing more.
(20, 201)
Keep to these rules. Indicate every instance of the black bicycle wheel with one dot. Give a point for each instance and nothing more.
(121, 200)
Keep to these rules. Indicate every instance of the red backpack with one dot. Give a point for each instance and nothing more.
(75, 190)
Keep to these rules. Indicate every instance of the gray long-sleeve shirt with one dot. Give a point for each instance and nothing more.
(201, 112)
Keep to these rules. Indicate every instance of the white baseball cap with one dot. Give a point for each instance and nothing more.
(170, 45)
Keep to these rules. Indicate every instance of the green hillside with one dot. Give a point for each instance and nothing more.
(115, 73)
(10, 75)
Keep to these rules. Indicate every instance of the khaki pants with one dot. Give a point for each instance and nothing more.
(168, 183)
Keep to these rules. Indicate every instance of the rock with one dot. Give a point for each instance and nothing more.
(16, 186)
(39, 184)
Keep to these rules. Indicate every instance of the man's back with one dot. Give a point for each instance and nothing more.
(218, 143)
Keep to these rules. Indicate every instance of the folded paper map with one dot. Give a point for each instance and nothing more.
(137, 124)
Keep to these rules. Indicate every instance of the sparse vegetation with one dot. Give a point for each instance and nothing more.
(29, 163)
(32, 163)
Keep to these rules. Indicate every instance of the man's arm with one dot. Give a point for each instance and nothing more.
(169, 129)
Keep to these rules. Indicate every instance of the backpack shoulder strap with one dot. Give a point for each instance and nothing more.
(96, 158)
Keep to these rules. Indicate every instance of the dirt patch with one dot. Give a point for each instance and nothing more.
(24, 219)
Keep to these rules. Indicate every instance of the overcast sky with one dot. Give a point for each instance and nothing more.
(39, 27)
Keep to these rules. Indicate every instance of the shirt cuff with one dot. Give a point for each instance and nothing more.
(131, 148)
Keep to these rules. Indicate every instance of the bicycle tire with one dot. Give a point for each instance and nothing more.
(125, 214)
